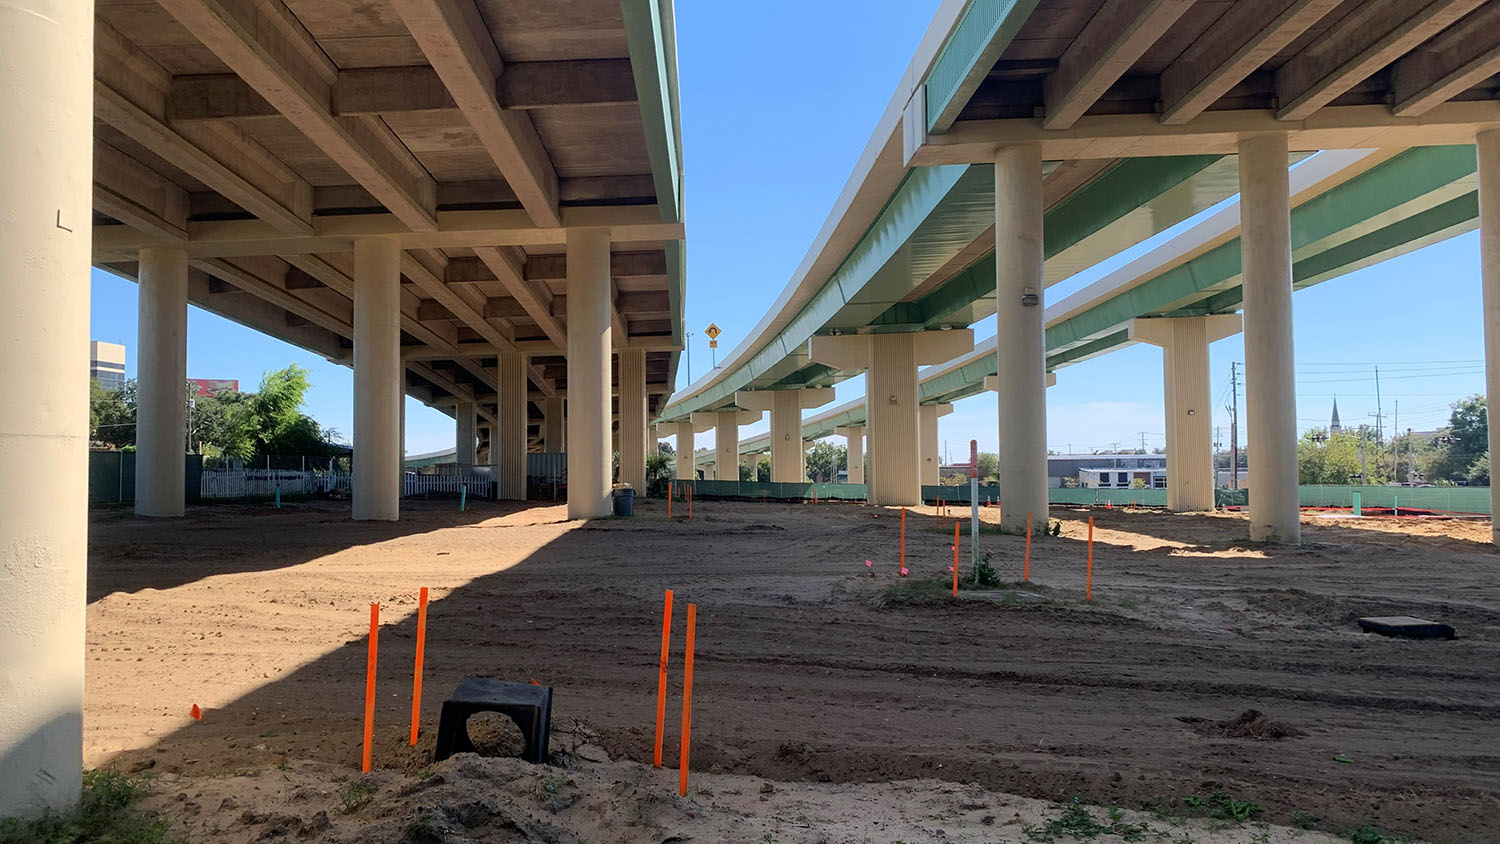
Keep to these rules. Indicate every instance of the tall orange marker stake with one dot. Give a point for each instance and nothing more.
(370, 688)
(687, 700)
(690, 501)
(416, 678)
(903, 542)
(1088, 583)
(955, 558)
(661, 674)
(1026, 574)
(669, 500)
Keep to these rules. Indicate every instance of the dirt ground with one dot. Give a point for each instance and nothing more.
(810, 672)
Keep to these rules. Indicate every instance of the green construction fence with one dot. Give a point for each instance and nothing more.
(1472, 500)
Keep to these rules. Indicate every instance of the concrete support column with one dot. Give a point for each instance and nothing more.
(465, 441)
(726, 425)
(509, 450)
(161, 382)
(633, 418)
(891, 400)
(788, 460)
(685, 452)
(932, 459)
(1189, 415)
(1021, 366)
(589, 428)
(1270, 387)
(1488, 148)
(892, 416)
(854, 435)
(553, 425)
(377, 379)
(46, 127)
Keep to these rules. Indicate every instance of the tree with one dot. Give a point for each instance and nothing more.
(824, 460)
(746, 473)
(989, 466)
(1466, 440)
(112, 415)
(226, 424)
(1479, 473)
(658, 472)
(1332, 459)
(763, 470)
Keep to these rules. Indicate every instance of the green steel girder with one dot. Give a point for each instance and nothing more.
(1112, 195)
(1396, 184)
(981, 35)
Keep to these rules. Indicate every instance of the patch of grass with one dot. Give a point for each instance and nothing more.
(355, 794)
(1303, 820)
(1369, 834)
(1221, 807)
(104, 815)
(1076, 821)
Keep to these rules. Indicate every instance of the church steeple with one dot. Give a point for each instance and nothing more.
(1333, 426)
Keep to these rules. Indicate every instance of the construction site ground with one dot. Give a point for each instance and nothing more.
(833, 700)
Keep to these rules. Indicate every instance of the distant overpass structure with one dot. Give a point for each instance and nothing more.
(1029, 140)
(475, 203)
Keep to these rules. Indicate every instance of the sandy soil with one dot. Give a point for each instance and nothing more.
(809, 670)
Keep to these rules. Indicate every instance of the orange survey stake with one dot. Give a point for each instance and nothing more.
(903, 542)
(955, 558)
(416, 677)
(661, 675)
(1088, 583)
(687, 700)
(370, 688)
(1026, 574)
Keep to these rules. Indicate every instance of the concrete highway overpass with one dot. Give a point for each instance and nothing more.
(473, 202)
(1032, 139)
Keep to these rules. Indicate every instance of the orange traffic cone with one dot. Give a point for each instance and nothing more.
(196, 713)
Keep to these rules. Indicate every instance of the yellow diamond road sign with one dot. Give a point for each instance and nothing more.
(712, 331)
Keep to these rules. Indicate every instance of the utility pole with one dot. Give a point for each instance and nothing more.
(1395, 435)
(1143, 442)
(687, 349)
(1234, 426)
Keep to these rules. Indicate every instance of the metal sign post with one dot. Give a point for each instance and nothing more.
(974, 505)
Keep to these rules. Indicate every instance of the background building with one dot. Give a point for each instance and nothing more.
(107, 364)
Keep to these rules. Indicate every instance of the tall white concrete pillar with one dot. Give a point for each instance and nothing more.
(552, 425)
(161, 382)
(633, 418)
(1270, 386)
(891, 400)
(932, 459)
(589, 428)
(465, 440)
(46, 129)
(726, 425)
(377, 379)
(1021, 365)
(788, 461)
(894, 421)
(509, 451)
(1488, 148)
(854, 436)
(1189, 414)
(686, 471)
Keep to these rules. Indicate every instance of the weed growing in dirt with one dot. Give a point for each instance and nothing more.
(1221, 807)
(985, 576)
(1076, 821)
(1303, 820)
(1368, 834)
(426, 828)
(103, 814)
(355, 794)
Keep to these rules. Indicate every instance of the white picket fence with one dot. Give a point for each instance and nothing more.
(263, 483)
(479, 485)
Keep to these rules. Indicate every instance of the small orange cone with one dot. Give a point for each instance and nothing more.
(196, 713)
(534, 682)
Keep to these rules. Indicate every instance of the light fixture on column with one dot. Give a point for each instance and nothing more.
(893, 398)
(1029, 298)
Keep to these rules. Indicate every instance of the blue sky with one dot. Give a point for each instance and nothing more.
(774, 117)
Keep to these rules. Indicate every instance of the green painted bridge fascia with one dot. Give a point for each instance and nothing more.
(983, 32)
(918, 196)
(651, 39)
(1114, 193)
(1405, 178)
